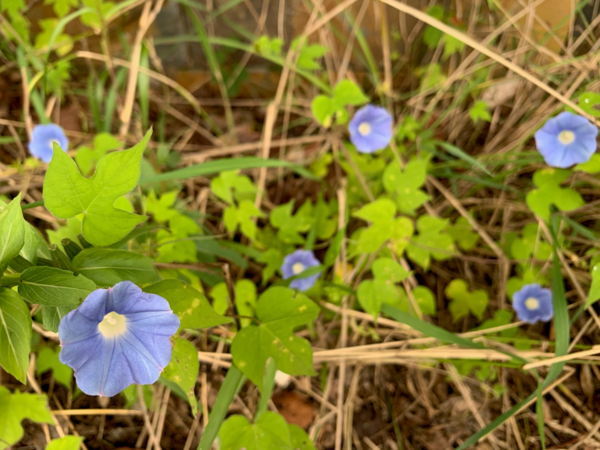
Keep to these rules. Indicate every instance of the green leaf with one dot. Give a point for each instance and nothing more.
(16, 407)
(269, 432)
(48, 360)
(300, 440)
(65, 443)
(67, 193)
(308, 54)
(479, 112)
(49, 286)
(406, 183)
(452, 46)
(189, 304)
(592, 166)
(279, 311)
(462, 233)
(183, 369)
(31, 242)
(323, 109)
(106, 266)
(15, 335)
(594, 294)
(372, 293)
(381, 210)
(245, 300)
(12, 231)
(273, 260)
(549, 192)
(162, 209)
(463, 301)
(432, 241)
(52, 315)
(347, 92)
(87, 158)
(386, 269)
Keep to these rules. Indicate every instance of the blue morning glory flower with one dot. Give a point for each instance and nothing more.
(296, 263)
(370, 129)
(117, 337)
(533, 303)
(42, 139)
(566, 139)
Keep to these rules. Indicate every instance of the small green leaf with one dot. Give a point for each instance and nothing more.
(549, 192)
(190, 305)
(12, 231)
(245, 300)
(323, 108)
(372, 293)
(381, 210)
(463, 234)
(183, 369)
(106, 266)
(273, 260)
(15, 336)
(269, 432)
(52, 315)
(48, 360)
(49, 286)
(425, 299)
(67, 193)
(347, 92)
(65, 443)
(16, 407)
(386, 269)
(479, 112)
(279, 311)
(463, 301)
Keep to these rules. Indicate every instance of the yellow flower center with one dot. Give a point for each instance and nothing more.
(113, 325)
(532, 303)
(298, 268)
(364, 128)
(566, 137)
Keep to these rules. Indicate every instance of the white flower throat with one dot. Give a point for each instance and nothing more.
(364, 128)
(566, 137)
(298, 268)
(52, 143)
(113, 325)
(532, 303)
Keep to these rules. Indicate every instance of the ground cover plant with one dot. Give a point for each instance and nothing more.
(363, 225)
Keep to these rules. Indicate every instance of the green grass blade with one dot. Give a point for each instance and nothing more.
(457, 152)
(221, 165)
(232, 383)
(428, 329)
(143, 82)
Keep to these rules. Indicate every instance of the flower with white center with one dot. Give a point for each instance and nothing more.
(370, 129)
(567, 139)
(42, 141)
(533, 303)
(296, 263)
(117, 337)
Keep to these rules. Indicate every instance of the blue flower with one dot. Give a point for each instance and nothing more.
(533, 303)
(42, 139)
(566, 139)
(370, 129)
(296, 263)
(116, 337)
